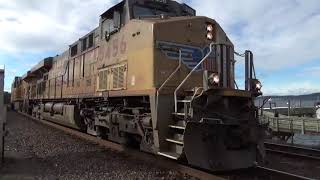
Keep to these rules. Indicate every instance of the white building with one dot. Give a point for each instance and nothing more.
(318, 113)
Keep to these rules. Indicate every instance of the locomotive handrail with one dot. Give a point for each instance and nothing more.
(187, 77)
(170, 77)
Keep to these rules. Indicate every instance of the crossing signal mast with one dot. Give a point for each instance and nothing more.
(2, 114)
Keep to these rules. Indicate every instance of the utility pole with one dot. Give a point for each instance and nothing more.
(289, 107)
(300, 102)
(2, 115)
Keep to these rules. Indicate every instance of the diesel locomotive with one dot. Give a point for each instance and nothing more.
(152, 76)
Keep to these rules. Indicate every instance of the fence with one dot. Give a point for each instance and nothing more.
(293, 124)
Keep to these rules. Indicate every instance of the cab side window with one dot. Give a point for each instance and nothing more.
(74, 50)
(90, 40)
(112, 22)
(108, 26)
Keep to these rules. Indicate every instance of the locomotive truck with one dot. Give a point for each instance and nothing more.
(152, 76)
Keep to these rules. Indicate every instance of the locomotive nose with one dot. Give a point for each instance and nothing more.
(205, 146)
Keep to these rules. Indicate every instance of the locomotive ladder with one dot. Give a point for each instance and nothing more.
(176, 135)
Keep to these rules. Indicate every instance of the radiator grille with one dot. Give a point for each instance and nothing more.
(118, 77)
(103, 80)
(113, 78)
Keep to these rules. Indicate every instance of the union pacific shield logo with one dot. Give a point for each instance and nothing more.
(190, 55)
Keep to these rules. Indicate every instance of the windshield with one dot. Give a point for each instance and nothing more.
(141, 11)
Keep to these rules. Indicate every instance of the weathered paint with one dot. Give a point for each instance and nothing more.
(135, 45)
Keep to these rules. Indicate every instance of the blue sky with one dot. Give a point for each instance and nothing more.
(283, 36)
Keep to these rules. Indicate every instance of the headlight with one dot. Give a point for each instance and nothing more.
(258, 85)
(214, 79)
(209, 36)
(255, 87)
(210, 27)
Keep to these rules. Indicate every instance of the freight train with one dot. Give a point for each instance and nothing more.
(152, 76)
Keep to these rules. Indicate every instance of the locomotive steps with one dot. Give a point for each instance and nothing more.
(176, 130)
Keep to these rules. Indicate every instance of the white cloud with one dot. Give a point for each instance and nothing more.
(38, 26)
(281, 34)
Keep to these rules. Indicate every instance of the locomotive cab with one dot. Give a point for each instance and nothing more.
(119, 15)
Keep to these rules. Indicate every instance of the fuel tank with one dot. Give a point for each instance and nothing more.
(58, 108)
(48, 107)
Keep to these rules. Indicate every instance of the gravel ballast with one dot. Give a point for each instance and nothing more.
(35, 151)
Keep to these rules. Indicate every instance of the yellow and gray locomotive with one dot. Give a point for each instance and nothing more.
(155, 76)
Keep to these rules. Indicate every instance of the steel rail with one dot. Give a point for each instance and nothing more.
(276, 174)
(294, 151)
(132, 153)
(260, 172)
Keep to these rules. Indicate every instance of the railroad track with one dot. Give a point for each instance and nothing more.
(293, 151)
(276, 174)
(264, 173)
(255, 173)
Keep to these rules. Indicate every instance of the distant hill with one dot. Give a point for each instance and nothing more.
(298, 96)
(308, 100)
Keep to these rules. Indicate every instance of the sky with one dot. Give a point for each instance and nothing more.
(284, 36)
